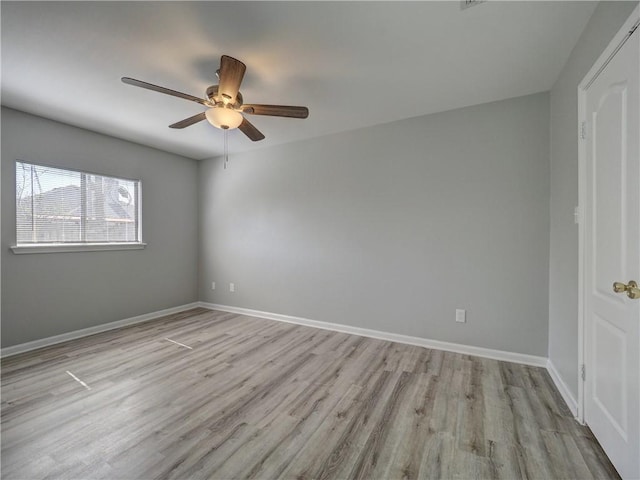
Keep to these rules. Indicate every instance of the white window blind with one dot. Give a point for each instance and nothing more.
(64, 206)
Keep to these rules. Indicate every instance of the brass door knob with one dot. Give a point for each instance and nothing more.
(631, 288)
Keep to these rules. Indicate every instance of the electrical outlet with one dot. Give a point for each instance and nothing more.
(232, 287)
(461, 315)
(213, 285)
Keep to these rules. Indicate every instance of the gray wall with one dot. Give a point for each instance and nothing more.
(54, 293)
(563, 259)
(392, 227)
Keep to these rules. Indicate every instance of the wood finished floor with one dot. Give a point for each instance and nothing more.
(254, 398)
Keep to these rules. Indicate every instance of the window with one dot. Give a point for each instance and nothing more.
(57, 207)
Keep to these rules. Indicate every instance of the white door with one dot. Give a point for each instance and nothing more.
(612, 254)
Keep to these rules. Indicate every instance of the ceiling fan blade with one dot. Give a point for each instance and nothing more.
(189, 121)
(250, 131)
(231, 74)
(156, 88)
(276, 110)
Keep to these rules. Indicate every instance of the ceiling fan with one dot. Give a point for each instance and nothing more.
(225, 107)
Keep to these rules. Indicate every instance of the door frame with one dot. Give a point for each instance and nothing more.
(616, 43)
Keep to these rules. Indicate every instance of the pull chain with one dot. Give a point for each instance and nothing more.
(226, 146)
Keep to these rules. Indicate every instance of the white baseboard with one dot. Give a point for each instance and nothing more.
(568, 397)
(393, 337)
(45, 342)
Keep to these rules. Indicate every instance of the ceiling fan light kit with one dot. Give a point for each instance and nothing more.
(224, 102)
(224, 118)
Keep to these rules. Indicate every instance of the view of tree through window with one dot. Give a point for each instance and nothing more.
(64, 206)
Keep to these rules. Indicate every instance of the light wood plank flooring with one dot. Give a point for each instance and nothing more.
(206, 394)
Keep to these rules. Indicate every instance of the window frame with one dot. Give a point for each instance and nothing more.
(66, 247)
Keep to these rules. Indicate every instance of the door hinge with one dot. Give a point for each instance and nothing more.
(583, 130)
(577, 215)
(583, 372)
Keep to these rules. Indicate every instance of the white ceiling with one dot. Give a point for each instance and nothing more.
(354, 64)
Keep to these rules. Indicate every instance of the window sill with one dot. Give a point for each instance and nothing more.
(74, 247)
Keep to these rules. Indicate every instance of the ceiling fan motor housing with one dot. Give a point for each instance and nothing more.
(212, 95)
